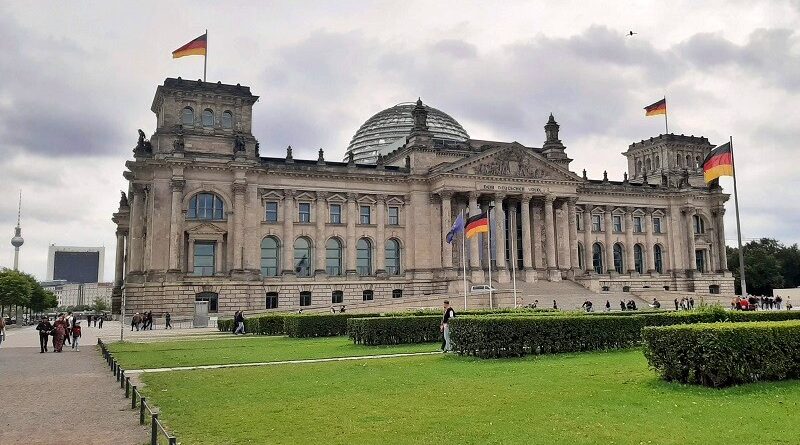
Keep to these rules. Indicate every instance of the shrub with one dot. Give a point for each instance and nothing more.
(722, 354)
(319, 325)
(271, 324)
(394, 330)
(225, 325)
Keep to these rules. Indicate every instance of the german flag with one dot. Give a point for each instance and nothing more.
(477, 224)
(196, 47)
(657, 108)
(719, 162)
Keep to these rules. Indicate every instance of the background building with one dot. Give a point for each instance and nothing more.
(78, 294)
(75, 264)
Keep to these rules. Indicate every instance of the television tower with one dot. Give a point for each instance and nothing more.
(17, 240)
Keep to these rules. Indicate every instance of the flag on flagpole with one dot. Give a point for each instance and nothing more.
(196, 47)
(458, 227)
(719, 162)
(657, 108)
(477, 224)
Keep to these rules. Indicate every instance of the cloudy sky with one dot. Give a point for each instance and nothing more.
(77, 80)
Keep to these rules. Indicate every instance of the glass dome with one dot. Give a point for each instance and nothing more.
(388, 129)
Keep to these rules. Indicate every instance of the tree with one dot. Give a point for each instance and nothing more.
(769, 265)
(15, 289)
(100, 305)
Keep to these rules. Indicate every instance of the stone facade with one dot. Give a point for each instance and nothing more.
(207, 217)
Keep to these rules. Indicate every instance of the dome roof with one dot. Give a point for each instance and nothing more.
(388, 129)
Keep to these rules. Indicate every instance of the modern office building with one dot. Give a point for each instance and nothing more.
(75, 264)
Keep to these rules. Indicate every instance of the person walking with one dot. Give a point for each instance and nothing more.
(44, 327)
(2, 329)
(101, 321)
(68, 327)
(239, 319)
(76, 334)
(449, 313)
(60, 332)
(167, 321)
(608, 306)
(135, 320)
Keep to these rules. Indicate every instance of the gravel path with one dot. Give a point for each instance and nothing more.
(62, 398)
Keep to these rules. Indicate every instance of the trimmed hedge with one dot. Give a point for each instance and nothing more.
(319, 325)
(271, 324)
(394, 330)
(723, 354)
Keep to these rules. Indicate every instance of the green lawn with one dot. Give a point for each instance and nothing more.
(245, 350)
(590, 398)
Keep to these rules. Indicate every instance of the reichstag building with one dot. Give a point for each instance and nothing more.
(207, 217)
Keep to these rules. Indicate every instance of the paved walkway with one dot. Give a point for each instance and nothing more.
(67, 398)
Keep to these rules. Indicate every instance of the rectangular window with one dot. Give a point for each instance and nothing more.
(617, 223)
(365, 215)
(272, 300)
(367, 295)
(204, 259)
(637, 224)
(337, 297)
(271, 212)
(656, 225)
(304, 214)
(394, 216)
(701, 260)
(397, 293)
(305, 298)
(212, 298)
(596, 227)
(336, 213)
(579, 221)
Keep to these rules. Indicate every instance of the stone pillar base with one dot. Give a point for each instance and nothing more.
(530, 275)
(503, 276)
(478, 276)
(554, 275)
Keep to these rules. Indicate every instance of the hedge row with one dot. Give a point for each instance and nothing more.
(722, 354)
(271, 324)
(319, 325)
(394, 330)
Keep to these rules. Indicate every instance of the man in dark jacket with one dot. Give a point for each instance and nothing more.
(44, 327)
(445, 328)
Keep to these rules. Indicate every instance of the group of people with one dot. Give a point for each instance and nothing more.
(94, 319)
(629, 306)
(686, 303)
(66, 328)
(752, 303)
(145, 321)
(341, 310)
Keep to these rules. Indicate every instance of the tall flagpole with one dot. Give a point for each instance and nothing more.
(464, 255)
(666, 110)
(738, 223)
(514, 254)
(205, 58)
(489, 251)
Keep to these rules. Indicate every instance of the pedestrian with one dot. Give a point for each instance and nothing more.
(101, 321)
(691, 302)
(333, 310)
(445, 327)
(608, 306)
(788, 303)
(135, 320)
(2, 329)
(44, 327)
(676, 304)
(59, 333)
(76, 334)
(168, 321)
(341, 309)
(622, 305)
(89, 321)
(555, 306)
(239, 319)
(68, 327)
(778, 301)
(535, 303)
(150, 320)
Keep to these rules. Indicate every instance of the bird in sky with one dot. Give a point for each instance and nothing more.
(630, 33)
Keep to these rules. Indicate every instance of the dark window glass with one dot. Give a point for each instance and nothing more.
(393, 257)
(579, 221)
(617, 223)
(699, 224)
(211, 297)
(700, 256)
(205, 206)
(364, 257)
(271, 211)
(204, 259)
(187, 117)
(336, 213)
(365, 215)
(333, 257)
(270, 255)
(618, 264)
(597, 258)
(397, 293)
(302, 257)
(337, 297)
(638, 258)
(580, 256)
(637, 224)
(367, 295)
(208, 118)
(658, 260)
(304, 214)
(305, 298)
(713, 289)
(394, 216)
(272, 300)
(656, 225)
(596, 226)
(227, 120)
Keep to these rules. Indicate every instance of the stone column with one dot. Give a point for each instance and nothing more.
(499, 214)
(648, 236)
(721, 251)
(190, 257)
(176, 225)
(119, 260)
(239, 189)
(288, 232)
(137, 229)
(447, 248)
(320, 216)
(527, 243)
(609, 229)
(549, 237)
(218, 257)
(573, 233)
(587, 238)
(689, 212)
(350, 250)
(380, 242)
(629, 240)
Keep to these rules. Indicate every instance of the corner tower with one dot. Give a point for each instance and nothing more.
(668, 159)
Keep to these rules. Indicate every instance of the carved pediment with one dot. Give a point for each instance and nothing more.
(206, 229)
(514, 162)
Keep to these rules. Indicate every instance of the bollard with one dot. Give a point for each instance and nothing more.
(133, 397)
(122, 379)
(173, 441)
(141, 410)
(116, 374)
(154, 429)
(127, 387)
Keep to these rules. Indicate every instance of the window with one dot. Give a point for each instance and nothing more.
(336, 213)
(688, 161)
(272, 300)
(638, 168)
(658, 260)
(699, 224)
(204, 259)
(658, 162)
(337, 297)
(638, 258)
(394, 216)
(626, 288)
(596, 225)
(700, 257)
(365, 215)
(302, 257)
(597, 257)
(269, 257)
(208, 118)
(393, 257)
(637, 224)
(579, 221)
(227, 120)
(205, 206)
(304, 215)
(656, 224)
(697, 162)
(271, 211)
(397, 293)
(187, 116)
(648, 164)
(364, 257)
(367, 295)
(617, 223)
(305, 298)
(713, 289)
(580, 257)
(333, 257)
(211, 297)
(679, 161)
(618, 264)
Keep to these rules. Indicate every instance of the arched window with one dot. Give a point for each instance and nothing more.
(187, 116)
(648, 165)
(618, 264)
(658, 260)
(333, 257)
(208, 118)
(302, 257)
(638, 258)
(638, 168)
(270, 256)
(580, 256)
(697, 162)
(227, 120)
(679, 161)
(688, 161)
(364, 257)
(597, 257)
(658, 162)
(205, 206)
(393, 257)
